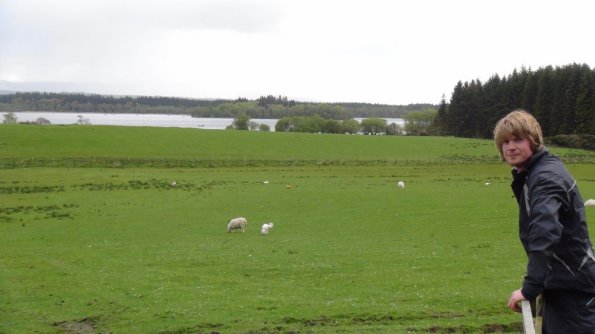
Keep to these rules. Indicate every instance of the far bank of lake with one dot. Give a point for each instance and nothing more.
(160, 120)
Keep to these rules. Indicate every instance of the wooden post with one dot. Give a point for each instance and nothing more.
(528, 325)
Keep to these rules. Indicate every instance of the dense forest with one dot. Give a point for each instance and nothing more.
(561, 98)
(264, 107)
(79, 102)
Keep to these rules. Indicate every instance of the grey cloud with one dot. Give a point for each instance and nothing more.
(237, 16)
(245, 16)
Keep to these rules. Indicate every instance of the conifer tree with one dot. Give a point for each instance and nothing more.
(585, 104)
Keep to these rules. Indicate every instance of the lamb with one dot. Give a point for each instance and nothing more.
(265, 228)
(590, 202)
(237, 223)
(401, 184)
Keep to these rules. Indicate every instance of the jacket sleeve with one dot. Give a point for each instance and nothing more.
(546, 197)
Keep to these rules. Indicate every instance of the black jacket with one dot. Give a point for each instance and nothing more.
(553, 228)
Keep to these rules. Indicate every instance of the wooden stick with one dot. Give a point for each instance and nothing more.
(528, 326)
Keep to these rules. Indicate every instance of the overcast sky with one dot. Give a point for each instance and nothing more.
(375, 51)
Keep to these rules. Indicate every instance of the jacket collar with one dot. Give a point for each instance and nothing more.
(536, 157)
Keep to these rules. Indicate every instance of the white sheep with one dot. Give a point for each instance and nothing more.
(401, 184)
(237, 223)
(590, 202)
(265, 228)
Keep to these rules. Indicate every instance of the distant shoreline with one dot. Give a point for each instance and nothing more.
(145, 119)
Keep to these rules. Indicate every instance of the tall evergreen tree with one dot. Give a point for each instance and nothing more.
(544, 101)
(475, 119)
(456, 110)
(529, 94)
(571, 83)
(440, 127)
(493, 108)
(585, 103)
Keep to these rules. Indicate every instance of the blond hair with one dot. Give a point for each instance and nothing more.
(518, 123)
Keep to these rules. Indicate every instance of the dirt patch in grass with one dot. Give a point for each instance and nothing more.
(387, 320)
(515, 327)
(198, 329)
(83, 326)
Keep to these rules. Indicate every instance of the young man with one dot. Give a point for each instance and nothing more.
(552, 229)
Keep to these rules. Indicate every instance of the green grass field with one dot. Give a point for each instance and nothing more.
(121, 250)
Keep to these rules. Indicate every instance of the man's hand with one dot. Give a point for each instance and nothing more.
(515, 298)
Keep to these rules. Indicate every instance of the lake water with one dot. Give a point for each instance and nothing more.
(160, 120)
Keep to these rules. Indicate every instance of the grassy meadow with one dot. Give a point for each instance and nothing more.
(101, 246)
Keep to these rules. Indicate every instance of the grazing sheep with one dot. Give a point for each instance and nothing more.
(237, 224)
(265, 228)
(401, 184)
(590, 202)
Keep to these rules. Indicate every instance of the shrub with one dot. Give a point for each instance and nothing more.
(582, 141)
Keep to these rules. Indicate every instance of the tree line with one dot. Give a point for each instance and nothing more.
(274, 107)
(278, 107)
(561, 98)
(78, 102)
(416, 123)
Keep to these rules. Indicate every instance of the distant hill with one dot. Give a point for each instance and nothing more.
(264, 107)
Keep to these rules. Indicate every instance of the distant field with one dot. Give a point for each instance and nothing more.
(177, 143)
(121, 250)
